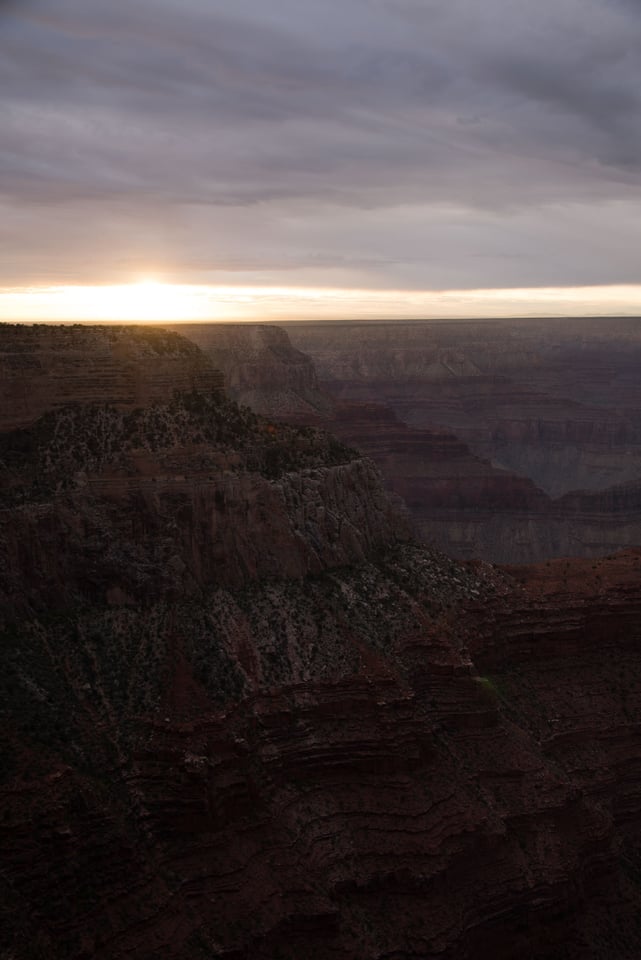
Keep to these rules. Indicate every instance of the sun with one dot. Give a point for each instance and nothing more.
(149, 300)
(144, 301)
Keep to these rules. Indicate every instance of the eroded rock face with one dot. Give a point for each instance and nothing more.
(546, 411)
(180, 497)
(262, 369)
(243, 716)
(469, 508)
(553, 400)
(458, 502)
(43, 367)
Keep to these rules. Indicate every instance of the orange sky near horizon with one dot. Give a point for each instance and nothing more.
(152, 300)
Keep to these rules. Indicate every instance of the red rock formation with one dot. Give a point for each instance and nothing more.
(408, 805)
(395, 755)
(468, 508)
(43, 367)
(554, 403)
(261, 367)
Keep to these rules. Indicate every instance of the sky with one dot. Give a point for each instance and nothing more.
(202, 158)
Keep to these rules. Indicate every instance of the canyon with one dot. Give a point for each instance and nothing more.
(246, 715)
(44, 366)
(260, 366)
(510, 441)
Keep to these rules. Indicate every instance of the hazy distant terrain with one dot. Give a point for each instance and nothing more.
(508, 440)
(558, 401)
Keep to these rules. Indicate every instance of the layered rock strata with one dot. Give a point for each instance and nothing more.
(554, 400)
(261, 367)
(545, 415)
(243, 716)
(46, 366)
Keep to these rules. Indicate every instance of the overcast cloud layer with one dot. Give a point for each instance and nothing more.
(384, 143)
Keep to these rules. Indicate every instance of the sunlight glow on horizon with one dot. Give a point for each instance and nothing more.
(150, 300)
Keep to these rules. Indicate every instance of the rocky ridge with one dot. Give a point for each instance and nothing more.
(261, 367)
(44, 366)
(545, 435)
(250, 718)
(554, 400)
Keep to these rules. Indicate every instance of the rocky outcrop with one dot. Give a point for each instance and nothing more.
(178, 498)
(563, 661)
(469, 508)
(554, 401)
(546, 411)
(261, 367)
(44, 366)
(458, 502)
(249, 719)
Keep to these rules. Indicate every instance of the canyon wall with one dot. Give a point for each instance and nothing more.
(554, 400)
(470, 509)
(546, 411)
(486, 463)
(261, 367)
(45, 366)
(243, 716)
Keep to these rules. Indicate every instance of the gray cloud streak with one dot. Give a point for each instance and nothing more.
(187, 129)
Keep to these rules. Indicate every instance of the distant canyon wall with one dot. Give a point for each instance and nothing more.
(261, 367)
(557, 401)
(508, 441)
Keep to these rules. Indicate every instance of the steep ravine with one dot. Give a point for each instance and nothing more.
(261, 367)
(508, 442)
(245, 716)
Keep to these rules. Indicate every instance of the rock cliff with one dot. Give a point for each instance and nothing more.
(202, 511)
(244, 717)
(261, 367)
(469, 508)
(545, 436)
(556, 401)
(43, 367)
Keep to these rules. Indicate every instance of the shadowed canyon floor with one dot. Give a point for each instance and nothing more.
(244, 715)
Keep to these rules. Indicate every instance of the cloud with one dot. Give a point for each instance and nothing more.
(204, 134)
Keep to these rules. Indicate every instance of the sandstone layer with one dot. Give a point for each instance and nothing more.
(261, 367)
(545, 415)
(555, 400)
(45, 366)
(243, 716)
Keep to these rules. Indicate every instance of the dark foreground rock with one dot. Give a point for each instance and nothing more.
(244, 716)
